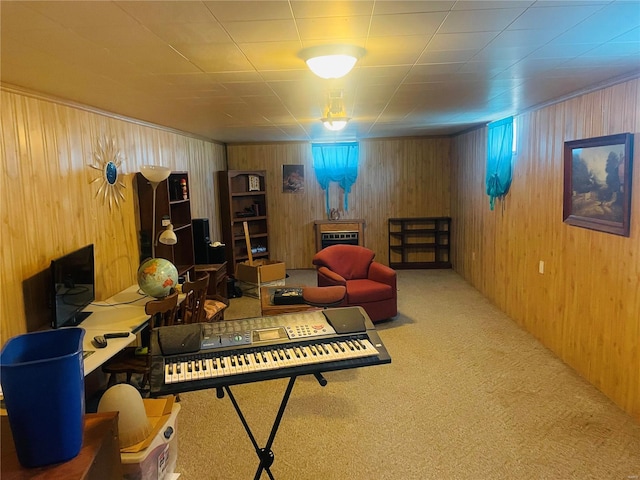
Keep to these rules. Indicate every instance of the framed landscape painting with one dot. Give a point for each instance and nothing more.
(597, 183)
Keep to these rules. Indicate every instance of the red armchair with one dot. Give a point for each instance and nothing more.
(369, 284)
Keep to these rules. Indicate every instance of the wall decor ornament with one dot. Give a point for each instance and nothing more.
(254, 183)
(108, 160)
(597, 183)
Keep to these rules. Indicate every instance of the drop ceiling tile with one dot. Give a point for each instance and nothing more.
(406, 24)
(489, 20)
(528, 39)
(566, 52)
(431, 72)
(455, 56)
(323, 8)
(230, 77)
(613, 50)
(388, 51)
(248, 89)
(84, 13)
(481, 4)
(273, 76)
(376, 75)
(20, 17)
(632, 35)
(331, 29)
(401, 6)
(226, 11)
(190, 33)
(556, 19)
(188, 80)
(259, 30)
(214, 57)
(107, 36)
(154, 12)
(606, 25)
(504, 53)
(461, 41)
(155, 60)
(273, 55)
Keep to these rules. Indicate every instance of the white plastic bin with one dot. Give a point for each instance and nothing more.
(158, 460)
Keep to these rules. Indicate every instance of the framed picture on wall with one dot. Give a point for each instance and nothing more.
(597, 183)
(293, 178)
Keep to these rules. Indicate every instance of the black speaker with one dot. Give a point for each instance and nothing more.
(201, 240)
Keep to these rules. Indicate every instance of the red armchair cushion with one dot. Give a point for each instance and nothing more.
(366, 291)
(349, 261)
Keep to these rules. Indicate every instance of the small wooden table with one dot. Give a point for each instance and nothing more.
(268, 308)
(98, 459)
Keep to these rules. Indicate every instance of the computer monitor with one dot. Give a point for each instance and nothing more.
(72, 287)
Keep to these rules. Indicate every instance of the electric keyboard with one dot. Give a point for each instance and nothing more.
(211, 355)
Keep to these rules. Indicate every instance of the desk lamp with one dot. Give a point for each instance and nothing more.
(155, 174)
(168, 236)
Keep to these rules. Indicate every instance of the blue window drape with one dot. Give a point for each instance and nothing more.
(336, 162)
(499, 153)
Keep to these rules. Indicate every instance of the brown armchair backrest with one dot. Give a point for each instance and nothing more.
(349, 261)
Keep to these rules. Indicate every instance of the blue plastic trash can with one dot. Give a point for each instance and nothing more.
(42, 376)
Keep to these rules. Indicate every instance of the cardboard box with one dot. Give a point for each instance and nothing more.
(157, 461)
(261, 272)
(253, 289)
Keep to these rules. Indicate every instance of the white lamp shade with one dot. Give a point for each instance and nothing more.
(168, 236)
(155, 173)
(331, 61)
(331, 66)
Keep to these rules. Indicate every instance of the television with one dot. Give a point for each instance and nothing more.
(72, 287)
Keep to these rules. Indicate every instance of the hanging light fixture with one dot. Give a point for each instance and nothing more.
(335, 118)
(331, 61)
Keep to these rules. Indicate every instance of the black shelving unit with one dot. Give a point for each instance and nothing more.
(419, 242)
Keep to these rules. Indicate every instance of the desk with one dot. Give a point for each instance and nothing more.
(124, 312)
(99, 457)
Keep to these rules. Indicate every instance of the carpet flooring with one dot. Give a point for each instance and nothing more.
(468, 395)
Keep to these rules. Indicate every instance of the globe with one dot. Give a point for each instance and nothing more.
(157, 276)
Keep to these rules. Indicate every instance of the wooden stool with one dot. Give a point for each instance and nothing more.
(324, 296)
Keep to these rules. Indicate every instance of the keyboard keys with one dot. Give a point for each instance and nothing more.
(208, 365)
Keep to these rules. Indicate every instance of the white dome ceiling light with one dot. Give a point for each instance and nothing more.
(331, 61)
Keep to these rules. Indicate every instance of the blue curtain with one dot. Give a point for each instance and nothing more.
(499, 153)
(336, 162)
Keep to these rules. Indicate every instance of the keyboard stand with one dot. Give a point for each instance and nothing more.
(265, 454)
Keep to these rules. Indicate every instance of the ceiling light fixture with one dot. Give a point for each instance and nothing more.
(331, 61)
(335, 118)
(335, 124)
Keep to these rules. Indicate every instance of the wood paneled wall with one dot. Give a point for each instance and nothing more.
(407, 177)
(586, 305)
(48, 204)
